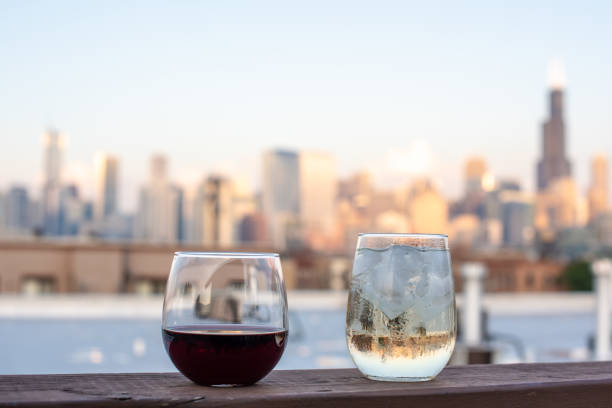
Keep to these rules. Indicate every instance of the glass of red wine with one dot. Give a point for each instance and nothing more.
(225, 316)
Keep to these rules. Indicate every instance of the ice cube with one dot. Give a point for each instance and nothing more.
(367, 262)
(440, 291)
(438, 263)
(392, 279)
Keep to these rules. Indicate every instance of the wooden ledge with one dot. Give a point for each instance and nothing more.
(539, 385)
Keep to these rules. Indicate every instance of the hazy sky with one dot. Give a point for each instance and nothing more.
(213, 84)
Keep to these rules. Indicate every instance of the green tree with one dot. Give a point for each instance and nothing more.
(577, 276)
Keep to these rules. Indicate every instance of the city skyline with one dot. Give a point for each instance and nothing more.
(213, 86)
(404, 165)
(96, 186)
(303, 204)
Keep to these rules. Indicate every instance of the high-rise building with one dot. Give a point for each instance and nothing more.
(252, 229)
(52, 156)
(191, 231)
(195, 214)
(280, 194)
(107, 186)
(554, 163)
(474, 173)
(179, 194)
(159, 169)
(602, 229)
(465, 231)
(318, 191)
(357, 190)
(213, 212)
(478, 182)
(598, 191)
(557, 208)
(52, 168)
(71, 210)
(17, 210)
(88, 212)
(356, 207)
(159, 217)
(517, 219)
(246, 215)
(492, 212)
(3, 220)
(427, 209)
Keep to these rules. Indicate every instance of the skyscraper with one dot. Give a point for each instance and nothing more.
(318, 192)
(159, 169)
(53, 149)
(427, 209)
(52, 168)
(3, 218)
(558, 207)
(354, 203)
(218, 218)
(71, 210)
(357, 190)
(107, 174)
(179, 199)
(281, 194)
(517, 218)
(598, 191)
(17, 210)
(475, 170)
(252, 229)
(478, 182)
(159, 217)
(211, 219)
(554, 164)
(249, 222)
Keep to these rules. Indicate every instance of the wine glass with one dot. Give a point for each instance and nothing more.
(225, 316)
(401, 319)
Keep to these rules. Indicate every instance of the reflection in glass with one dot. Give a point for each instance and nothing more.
(225, 316)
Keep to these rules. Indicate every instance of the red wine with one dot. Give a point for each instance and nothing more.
(224, 354)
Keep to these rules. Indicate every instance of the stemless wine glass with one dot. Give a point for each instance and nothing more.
(225, 316)
(400, 322)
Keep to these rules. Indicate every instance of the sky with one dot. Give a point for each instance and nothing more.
(399, 88)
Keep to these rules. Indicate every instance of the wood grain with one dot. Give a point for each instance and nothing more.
(519, 385)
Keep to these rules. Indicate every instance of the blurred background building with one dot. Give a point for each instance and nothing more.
(303, 208)
(159, 217)
(50, 197)
(281, 195)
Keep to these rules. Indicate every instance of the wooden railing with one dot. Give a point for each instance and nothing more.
(564, 385)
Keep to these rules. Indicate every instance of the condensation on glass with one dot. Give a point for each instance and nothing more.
(401, 318)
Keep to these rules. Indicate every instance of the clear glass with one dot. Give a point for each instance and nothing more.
(225, 316)
(401, 319)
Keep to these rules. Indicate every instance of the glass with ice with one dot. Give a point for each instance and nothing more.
(401, 320)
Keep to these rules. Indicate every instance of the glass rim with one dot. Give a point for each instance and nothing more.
(237, 255)
(402, 235)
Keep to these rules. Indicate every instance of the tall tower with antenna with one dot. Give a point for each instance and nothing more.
(554, 163)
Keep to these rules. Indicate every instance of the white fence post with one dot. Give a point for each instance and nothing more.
(602, 270)
(472, 273)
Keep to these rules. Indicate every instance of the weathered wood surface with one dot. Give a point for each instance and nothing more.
(577, 385)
